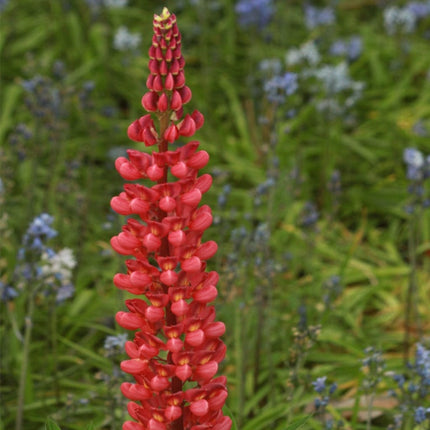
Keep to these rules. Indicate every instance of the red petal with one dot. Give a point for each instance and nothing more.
(183, 372)
(129, 321)
(198, 118)
(195, 338)
(133, 366)
(198, 160)
(120, 206)
(149, 101)
(199, 408)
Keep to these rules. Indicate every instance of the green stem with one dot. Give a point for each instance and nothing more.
(54, 346)
(176, 384)
(24, 364)
(369, 411)
(412, 286)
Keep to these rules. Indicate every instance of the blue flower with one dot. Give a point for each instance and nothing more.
(315, 16)
(319, 384)
(419, 9)
(413, 157)
(254, 12)
(279, 87)
(420, 414)
(7, 293)
(351, 48)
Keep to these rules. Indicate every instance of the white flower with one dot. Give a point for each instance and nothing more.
(115, 3)
(59, 265)
(413, 157)
(399, 20)
(306, 53)
(124, 40)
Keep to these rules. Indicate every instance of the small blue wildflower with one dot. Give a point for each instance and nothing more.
(3, 4)
(254, 12)
(333, 388)
(118, 341)
(413, 157)
(310, 215)
(420, 129)
(419, 9)
(420, 414)
(38, 231)
(59, 69)
(222, 198)
(315, 16)
(279, 87)
(64, 292)
(319, 384)
(334, 185)
(7, 293)
(400, 379)
(351, 48)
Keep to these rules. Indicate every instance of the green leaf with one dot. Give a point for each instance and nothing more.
(296, 424)
(51, 425)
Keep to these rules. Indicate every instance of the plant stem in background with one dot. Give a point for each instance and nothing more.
(411, 311)
(24, 363)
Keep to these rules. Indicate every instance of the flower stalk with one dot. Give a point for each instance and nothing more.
(176, 350)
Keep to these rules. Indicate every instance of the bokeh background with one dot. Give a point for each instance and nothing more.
(317, 120)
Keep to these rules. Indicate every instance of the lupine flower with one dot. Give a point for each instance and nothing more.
(176, 350)
(254, 12)
(315, 16)
(124, 40)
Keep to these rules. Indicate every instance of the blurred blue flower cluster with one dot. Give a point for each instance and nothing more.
(38, 232)
(417, 173)
(41, 269)
(280, 86)
(256, 13)
(413, 388)
(316, 16)
(351, 48)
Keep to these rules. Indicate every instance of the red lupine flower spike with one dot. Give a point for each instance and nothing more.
(168, 264)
